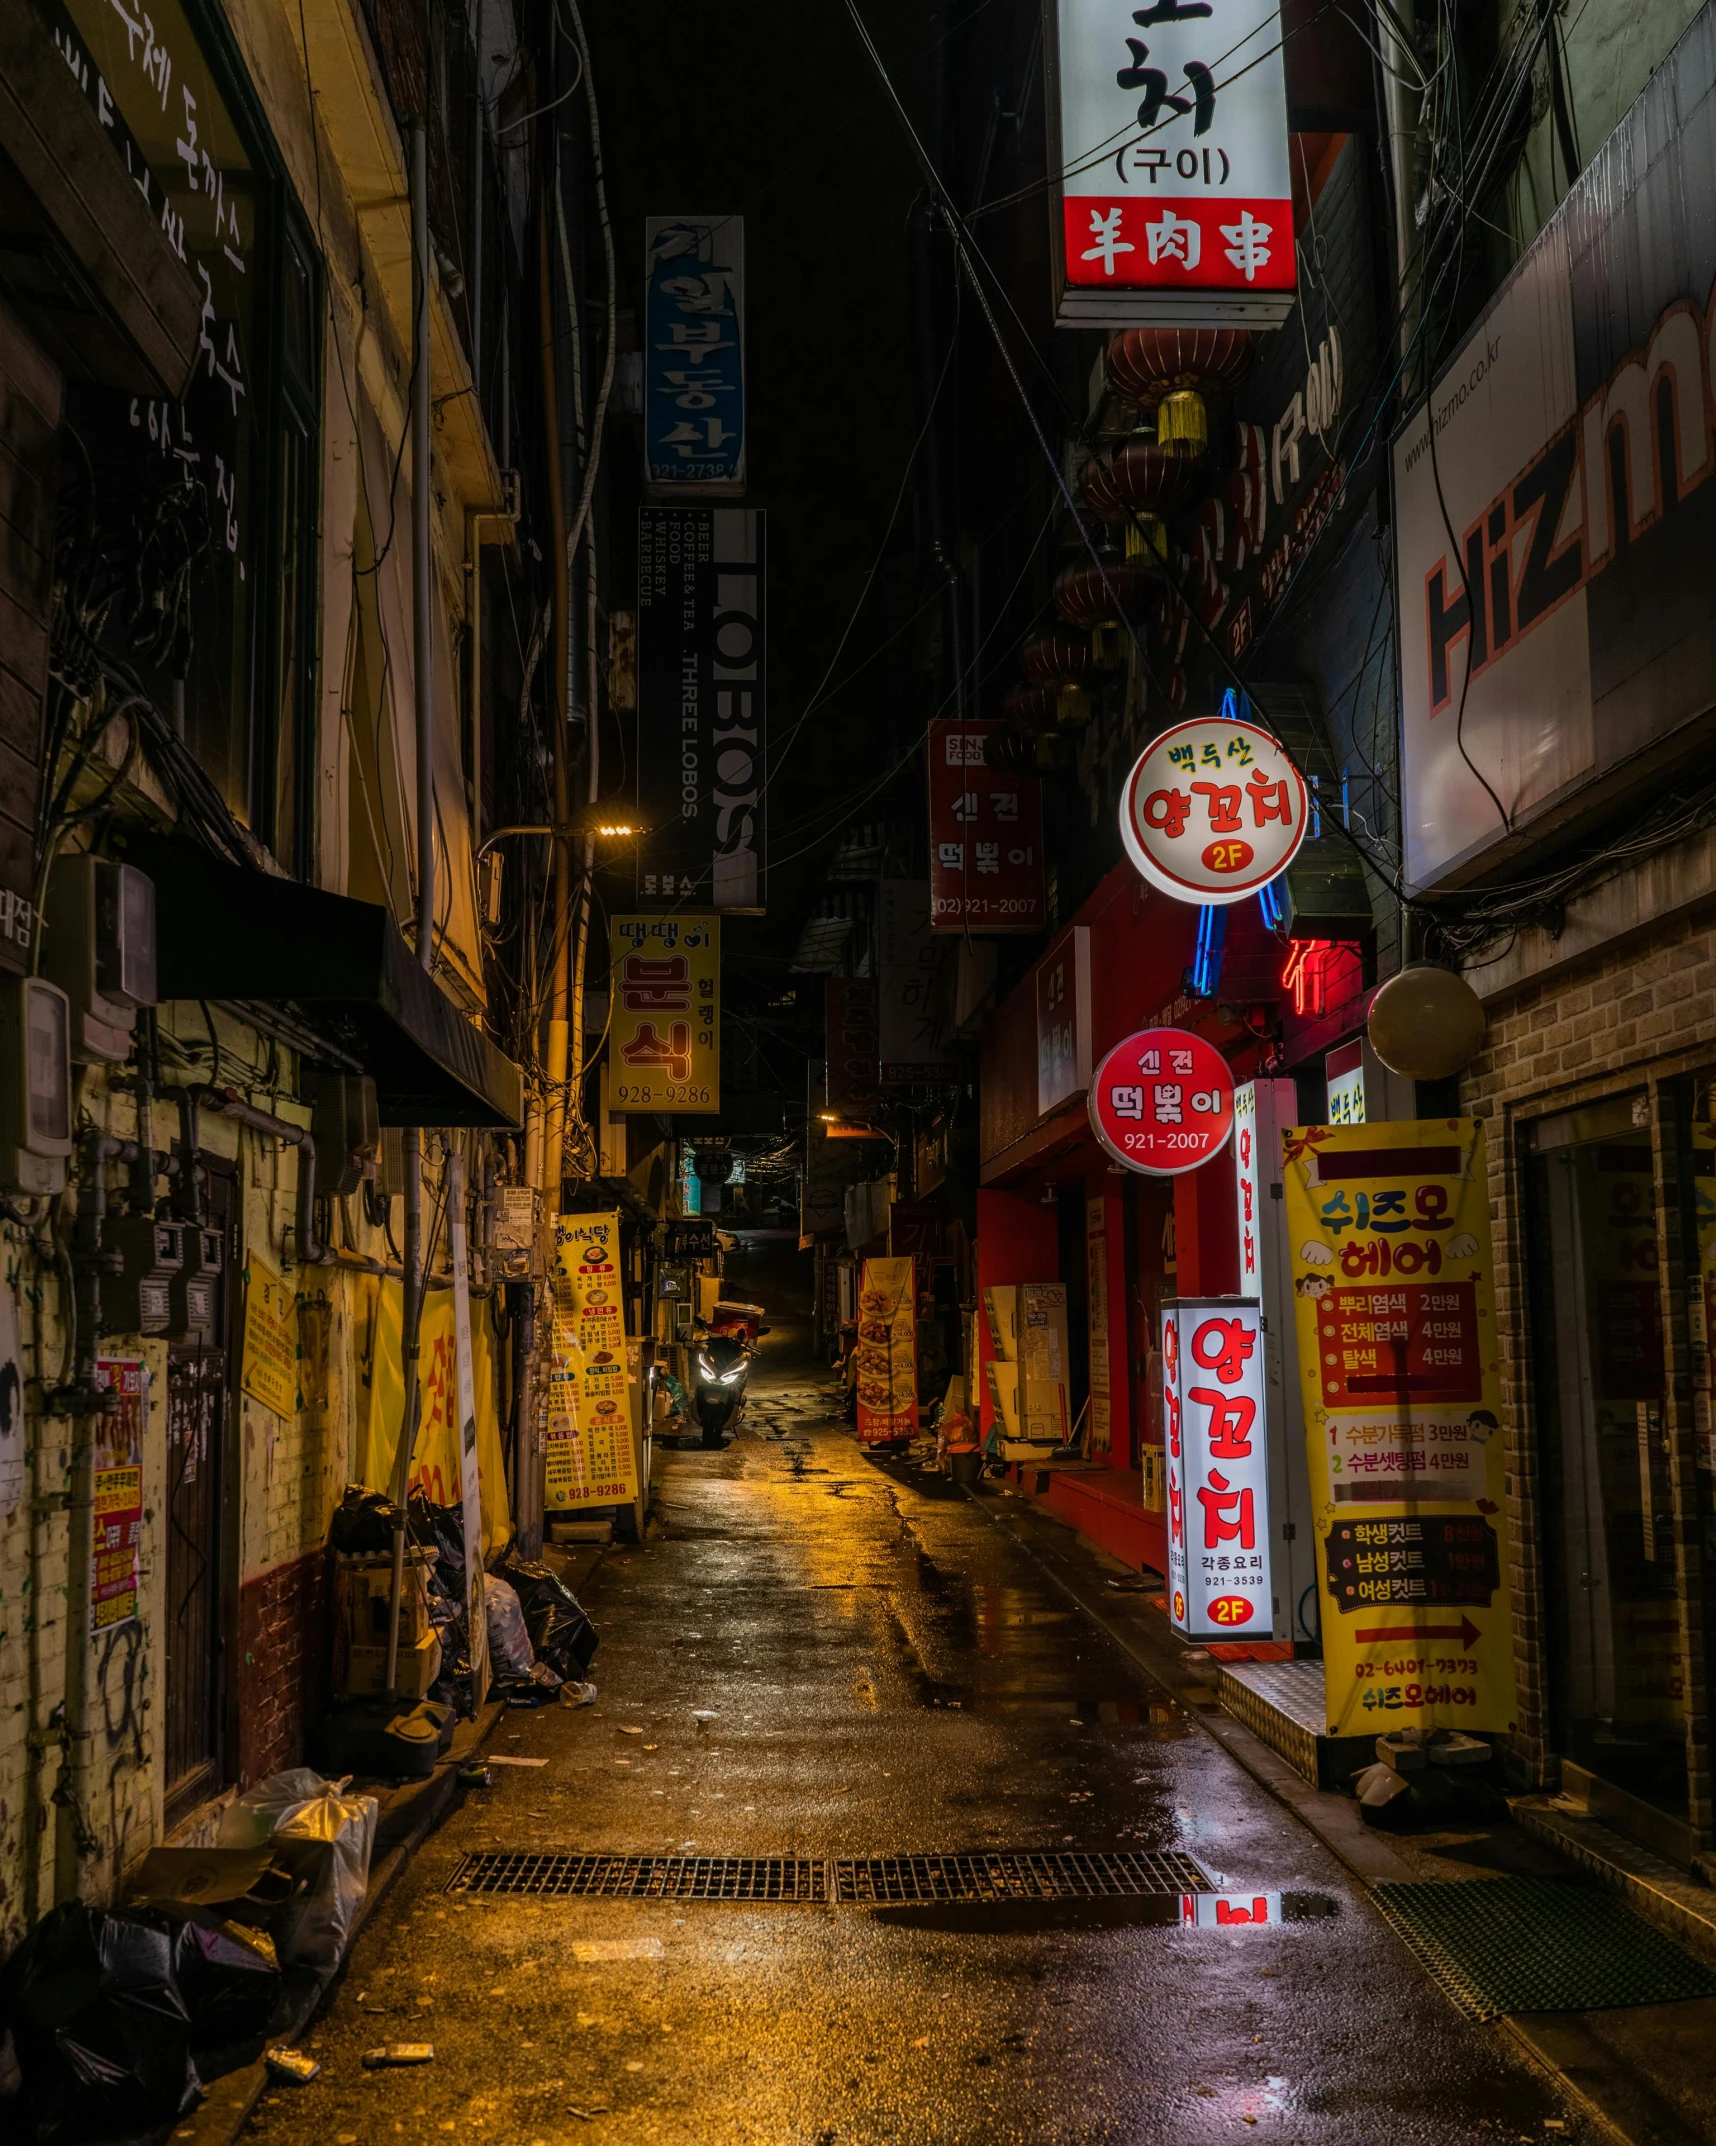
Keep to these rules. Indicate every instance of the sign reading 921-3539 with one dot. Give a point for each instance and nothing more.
(1213, 810)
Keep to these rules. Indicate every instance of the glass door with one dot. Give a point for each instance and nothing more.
(1618, 1687)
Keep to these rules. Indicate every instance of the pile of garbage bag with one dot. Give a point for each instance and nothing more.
(116, 2016)
(541, 1642)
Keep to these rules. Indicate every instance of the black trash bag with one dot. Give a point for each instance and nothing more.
(362, 1525)
(230, 1987)
(561, 1633)
(102, 2032)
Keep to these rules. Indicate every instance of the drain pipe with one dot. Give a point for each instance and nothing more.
(226, 1103)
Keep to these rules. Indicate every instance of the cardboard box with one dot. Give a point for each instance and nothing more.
(363, 1591)
(365, 1674)
(1031, 1409)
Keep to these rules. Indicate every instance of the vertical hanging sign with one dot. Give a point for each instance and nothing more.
(664, 1020)
(694, 366)
(701, 689)
(887, 1351)
(1168, 138)
(914, 1007)
(1394, 1281)
(1213, 1371)
(985, 833)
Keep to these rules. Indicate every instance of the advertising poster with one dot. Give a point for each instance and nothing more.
(1213, 1366)
(269, 1371)
(887, 1352)
(664, 1026)
(1393, 1283)
(117, 1481)
(591, 1459)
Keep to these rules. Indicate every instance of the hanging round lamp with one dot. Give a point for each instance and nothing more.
(1426, 1023)
(1176, 372)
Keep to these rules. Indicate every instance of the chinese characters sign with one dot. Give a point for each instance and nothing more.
(986, 835)
(591, 1459)
(1213, 811)
(117, 1483)
(887, 1351)
(1218, 1467)
(913, 1005)
(694, 372)
(701, 690)
(664, 1024)
(1390, 1234)
(1169, 136)
(1162, 1102)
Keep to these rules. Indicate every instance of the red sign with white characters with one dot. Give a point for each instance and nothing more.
(1162, 1102)
(1213, 811)
(986, 835)
(1218, 1468)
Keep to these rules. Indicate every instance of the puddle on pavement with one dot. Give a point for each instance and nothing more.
(1154, 1911)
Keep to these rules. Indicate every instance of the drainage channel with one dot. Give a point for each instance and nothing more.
(856, 1881)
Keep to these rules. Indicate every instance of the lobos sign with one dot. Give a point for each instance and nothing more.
(1566, 627)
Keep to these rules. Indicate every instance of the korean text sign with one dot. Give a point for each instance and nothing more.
(1212, 811)
(1213, 1367)
(1162, 1102)
(702, 693)
(694, 372)
(1394, 1285)
(117, 1483)
(986, 835)
(1169, 135)
(664, 1029)
(913, 1004)
(591, 1459)
(887, 1350)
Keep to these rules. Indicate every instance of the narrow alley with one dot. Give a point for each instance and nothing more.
(815, 1656)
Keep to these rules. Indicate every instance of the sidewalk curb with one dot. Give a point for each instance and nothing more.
(231, 2101)
(1365, 1854)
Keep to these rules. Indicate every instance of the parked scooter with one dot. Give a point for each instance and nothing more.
(721, 1361)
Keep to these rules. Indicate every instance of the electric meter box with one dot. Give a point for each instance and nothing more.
(138, 1300)
(35, 1085)
(100, 949)
(193, 1293)
(345, 1124)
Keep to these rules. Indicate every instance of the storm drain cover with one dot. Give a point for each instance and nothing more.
(642, 1877)
(1539, 1945)
(1001, 1875)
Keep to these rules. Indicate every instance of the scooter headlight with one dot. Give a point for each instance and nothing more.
(706, 1370)
(729, 1378)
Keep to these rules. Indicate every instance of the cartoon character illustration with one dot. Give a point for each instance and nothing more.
(1480, 1423)
(1314, 1285)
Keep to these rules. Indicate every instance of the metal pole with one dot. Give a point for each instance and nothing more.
(422, 564)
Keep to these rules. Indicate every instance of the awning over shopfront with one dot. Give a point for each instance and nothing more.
(227, 933)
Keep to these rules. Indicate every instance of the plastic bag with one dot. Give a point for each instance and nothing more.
(298, 1805)
(102, 2033)
(509, 1640)
(560, 1632)
(227, 1978)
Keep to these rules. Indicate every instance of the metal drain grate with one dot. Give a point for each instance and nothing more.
(1499, 1945)
(890, 1879)
(642, 1877)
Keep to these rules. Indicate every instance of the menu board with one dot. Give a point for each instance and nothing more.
(887, 1351)
(591, 1458)
(1393, 1282)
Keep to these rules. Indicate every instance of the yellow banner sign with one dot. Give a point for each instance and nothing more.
(1394, 1293)
(887, 1351)
(664, 1024)
(591, 1458)
(269, 1371)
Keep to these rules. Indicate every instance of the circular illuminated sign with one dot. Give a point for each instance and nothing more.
(1213, 810)
(1162, 1102)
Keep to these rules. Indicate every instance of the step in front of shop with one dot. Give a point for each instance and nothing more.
(1283, 1703)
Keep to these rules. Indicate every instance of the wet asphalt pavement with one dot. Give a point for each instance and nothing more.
(887, 1674)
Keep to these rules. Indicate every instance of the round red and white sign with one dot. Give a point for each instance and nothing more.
(1162, 1102)
(1213, 810)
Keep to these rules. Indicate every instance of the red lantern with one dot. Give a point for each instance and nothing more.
(1057, 658)
(1172, 371)
(1089, 597)
(1031, 707)
(1139, 477)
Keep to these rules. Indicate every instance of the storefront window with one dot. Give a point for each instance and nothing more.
(1618, 1676)
(195, 519)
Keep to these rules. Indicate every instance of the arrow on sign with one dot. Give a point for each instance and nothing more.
(1466, 1632)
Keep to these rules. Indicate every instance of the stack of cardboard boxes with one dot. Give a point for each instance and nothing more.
(1028, 1366)
(363, 1592)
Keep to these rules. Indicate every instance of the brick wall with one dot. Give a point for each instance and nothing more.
(282, 1656)
(1635, 1018)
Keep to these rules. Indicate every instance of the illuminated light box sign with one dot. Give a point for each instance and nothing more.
(1213, 811)
(1162, 1102)
(1213, 1371)
(1168, 133)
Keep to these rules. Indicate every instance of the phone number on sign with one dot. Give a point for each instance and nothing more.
(1443, 1666)
(674, 1093)
(1390, 1697)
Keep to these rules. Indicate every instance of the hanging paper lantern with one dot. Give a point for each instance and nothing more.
(1057, 657)
(1174, 371)
(1031, 707)
(1087, 596)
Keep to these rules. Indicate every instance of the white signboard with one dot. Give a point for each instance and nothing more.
(1213, 1392)
(1213, 811)
(1168, 130)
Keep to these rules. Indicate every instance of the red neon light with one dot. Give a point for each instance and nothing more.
(1312, 967)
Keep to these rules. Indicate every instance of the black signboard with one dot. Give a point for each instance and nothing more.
(701, 690)
(1431, 1561)
(691, 1240)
